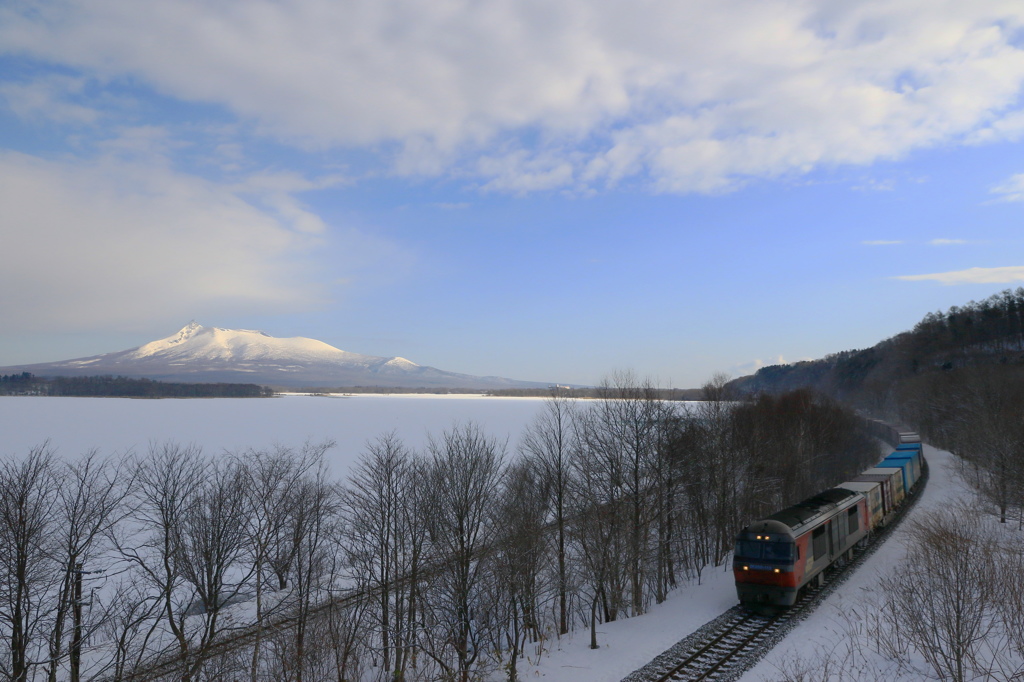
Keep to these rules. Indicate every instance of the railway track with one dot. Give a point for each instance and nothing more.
(726, 647)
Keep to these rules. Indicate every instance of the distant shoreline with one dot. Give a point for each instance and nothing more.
(106, 386)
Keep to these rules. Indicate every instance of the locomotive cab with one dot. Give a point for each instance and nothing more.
(764, 562)
(777, 556)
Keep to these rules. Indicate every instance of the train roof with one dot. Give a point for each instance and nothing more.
(860, 486)
(813, 507)
(882, 470)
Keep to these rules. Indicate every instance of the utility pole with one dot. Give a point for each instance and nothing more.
(76, 638)
(76, 616)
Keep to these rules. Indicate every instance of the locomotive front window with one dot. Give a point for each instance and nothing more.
(780, 551)
(748, 549)
(769, 551)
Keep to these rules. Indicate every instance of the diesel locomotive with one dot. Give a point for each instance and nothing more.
(776, 558)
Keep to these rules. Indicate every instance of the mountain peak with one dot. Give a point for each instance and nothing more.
(187, 332)
(400, 362)
(198, 353)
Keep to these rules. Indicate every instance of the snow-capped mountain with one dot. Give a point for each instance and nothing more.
(205, 354)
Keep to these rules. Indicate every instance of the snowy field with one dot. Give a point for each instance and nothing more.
(629, 644)
(115, 425)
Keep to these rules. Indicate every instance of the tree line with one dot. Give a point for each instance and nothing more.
(107, 386)
(566, 391)
(443, 564)
(975, 413)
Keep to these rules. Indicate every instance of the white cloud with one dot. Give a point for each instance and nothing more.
(972, 276)
(751, 367)
(933, 242)
(1009, 127)
(116, 242)
(276, 192)
(1010, 190)
(874, 185)
(531, 95)
(521, 172)
(49, 98)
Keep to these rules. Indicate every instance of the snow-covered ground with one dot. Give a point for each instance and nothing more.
(629, 644)
(74, 425)
(113, 425)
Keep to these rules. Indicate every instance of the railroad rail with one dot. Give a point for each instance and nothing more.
(726, 647)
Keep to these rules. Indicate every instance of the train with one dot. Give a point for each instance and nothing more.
(777, 558)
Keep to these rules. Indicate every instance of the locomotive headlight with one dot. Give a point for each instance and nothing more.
(777, 570)
(746, 568)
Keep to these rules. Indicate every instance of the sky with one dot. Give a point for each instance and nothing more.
(536, 190)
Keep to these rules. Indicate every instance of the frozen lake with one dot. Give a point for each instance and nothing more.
(115, 425)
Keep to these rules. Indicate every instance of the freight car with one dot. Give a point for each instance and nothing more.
(776, 558)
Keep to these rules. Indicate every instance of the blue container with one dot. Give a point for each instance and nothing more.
(906, 463)
(916, 456)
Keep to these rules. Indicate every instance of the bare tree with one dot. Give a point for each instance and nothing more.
(665, 472)
(994, 439)
(723, 474)
(168, 481)
(945, 596)
(624, 431)
(211, 546)
(548, 442)
(272, 479)
(1011, 594)
(463, 481)
(597, 528)
(313, 522)
(521, 510)
(384, 539)
(89, 502)
(343, 629)
(30, 572)
(128, 627)
(696, 537)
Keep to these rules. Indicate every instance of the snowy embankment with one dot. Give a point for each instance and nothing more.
(629, 644)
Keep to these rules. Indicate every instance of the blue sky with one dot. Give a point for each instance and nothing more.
(544, 191)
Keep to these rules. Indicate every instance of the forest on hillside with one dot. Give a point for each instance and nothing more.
(446, 563)
(978, 334)
(957, 377)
